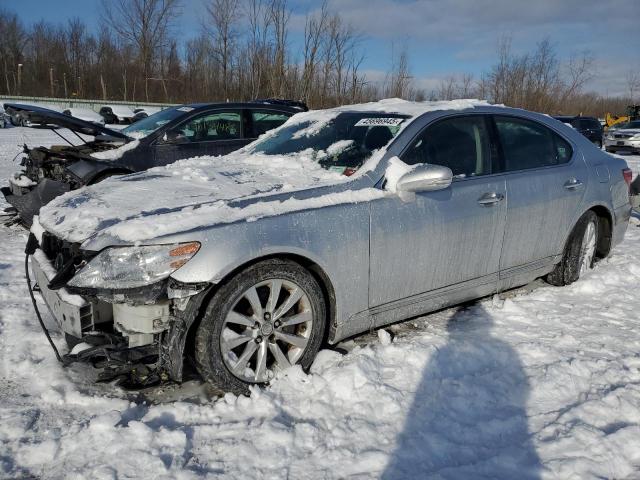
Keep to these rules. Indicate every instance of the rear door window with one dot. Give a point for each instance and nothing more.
(460, 143)
(527, 144)
(262, 121)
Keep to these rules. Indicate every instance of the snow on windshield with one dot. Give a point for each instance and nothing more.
(341, 144)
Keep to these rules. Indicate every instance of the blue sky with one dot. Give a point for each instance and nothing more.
(443, 37)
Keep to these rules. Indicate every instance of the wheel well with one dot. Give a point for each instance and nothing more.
(605, 228)
(313, 268)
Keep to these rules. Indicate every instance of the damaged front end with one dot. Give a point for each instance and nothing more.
(119, 308)
(51, 171)
(46, 174)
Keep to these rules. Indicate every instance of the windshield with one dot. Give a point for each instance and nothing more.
(150, 124)
(633, 124)
(342, 144)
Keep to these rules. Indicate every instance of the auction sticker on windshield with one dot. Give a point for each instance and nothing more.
(379, 121)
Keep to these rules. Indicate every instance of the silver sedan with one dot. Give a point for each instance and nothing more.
(338, 222)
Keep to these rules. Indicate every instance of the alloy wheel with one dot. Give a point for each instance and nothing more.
(267, 329)
(588, 249)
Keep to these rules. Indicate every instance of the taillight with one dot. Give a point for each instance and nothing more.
(628, 175)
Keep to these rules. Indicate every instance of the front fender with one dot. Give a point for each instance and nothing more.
(336, 238)
(87, 170)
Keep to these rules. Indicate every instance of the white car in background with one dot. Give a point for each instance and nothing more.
(85, 114)
(624, 138)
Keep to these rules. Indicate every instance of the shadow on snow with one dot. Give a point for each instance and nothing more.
(468, 418)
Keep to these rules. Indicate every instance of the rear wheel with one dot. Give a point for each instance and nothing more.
(265, 319)
(580, 252)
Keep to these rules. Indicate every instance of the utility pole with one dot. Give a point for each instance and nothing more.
(51, 82)
(64, 81)
(19, 79)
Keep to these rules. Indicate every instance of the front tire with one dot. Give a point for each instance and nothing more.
(266, 318)
(579, 253)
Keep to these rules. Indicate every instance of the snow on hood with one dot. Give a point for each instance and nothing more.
(116, 153)
(129, 207)
(175, 198)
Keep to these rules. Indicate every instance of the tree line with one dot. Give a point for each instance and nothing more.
(243, 51)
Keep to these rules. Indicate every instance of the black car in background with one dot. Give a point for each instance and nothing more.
(172, 134)
(590, 127)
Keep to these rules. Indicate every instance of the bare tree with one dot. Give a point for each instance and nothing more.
(221, 24)
(143, 23)
(400, 79)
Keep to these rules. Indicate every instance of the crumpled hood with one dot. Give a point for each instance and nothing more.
(188, 194)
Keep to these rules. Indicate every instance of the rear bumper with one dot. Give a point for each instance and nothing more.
(621, 216)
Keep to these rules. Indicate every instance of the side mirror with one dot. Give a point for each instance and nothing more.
(425, 178)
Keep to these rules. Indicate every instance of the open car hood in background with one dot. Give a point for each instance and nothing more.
(45, 116)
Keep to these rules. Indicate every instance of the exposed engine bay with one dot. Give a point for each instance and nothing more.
(51, 162)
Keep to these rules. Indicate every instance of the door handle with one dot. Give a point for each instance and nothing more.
(490, 198)
(572, 184)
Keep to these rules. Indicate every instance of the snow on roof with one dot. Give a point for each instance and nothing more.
(201, 190)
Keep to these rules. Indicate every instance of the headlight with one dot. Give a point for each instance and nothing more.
(131, 267)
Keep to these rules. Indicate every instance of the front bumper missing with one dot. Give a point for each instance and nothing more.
(90, 324)
(77, 318)
(72, 312)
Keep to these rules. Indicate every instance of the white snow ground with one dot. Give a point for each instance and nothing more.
(541, 383)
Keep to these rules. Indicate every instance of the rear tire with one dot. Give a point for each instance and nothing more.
(579, 253)
(247, 333)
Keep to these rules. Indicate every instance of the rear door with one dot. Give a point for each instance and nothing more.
(545, 180)
(445, 237)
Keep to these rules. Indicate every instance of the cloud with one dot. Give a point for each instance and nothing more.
(448, 36)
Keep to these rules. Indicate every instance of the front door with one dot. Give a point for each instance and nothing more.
(442, 238)
(211, 133)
